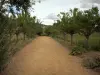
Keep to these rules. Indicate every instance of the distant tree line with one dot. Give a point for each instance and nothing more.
(74, 21)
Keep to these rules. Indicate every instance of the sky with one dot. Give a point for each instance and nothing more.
(47, 10)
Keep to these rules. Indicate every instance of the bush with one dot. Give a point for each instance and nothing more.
(4, 53)
(92, 63)
(78, 50)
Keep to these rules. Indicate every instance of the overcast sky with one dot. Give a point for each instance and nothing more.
(47, 10)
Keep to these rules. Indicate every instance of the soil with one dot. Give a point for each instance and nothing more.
(45, 56)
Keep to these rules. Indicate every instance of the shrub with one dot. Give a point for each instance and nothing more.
(78, 50)
(92, 63)
(4, 53)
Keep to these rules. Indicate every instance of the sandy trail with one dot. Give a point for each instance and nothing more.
(44, 56)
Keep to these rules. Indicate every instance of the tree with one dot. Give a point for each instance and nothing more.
(61, 23)
(8, 25)
(87, 20)
(4, 41)
(27, 24)
(38, 27)
(97, 29)
(68, 23)
(48, 30)
(19, 4)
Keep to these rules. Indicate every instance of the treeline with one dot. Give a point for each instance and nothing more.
(24, 24)
(15, 22)
(75, 21)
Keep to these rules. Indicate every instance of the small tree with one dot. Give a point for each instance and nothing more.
(69, 22)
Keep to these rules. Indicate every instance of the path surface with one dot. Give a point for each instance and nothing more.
(44, 56)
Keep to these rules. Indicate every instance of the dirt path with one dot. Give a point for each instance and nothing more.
(44, 56)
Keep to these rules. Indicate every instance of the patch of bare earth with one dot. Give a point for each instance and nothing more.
(44, 56)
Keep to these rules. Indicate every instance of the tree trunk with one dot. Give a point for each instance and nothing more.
(87, 42)
(71, 39)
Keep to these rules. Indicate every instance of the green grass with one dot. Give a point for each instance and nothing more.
(78, 48)
(94, 38)
(94, 41)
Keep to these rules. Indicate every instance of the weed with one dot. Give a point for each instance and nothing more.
(78, 50)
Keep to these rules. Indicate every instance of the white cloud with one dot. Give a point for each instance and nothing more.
(89, 3)
(86, 5)
(51, 16)
(48, 9)
(47, 22)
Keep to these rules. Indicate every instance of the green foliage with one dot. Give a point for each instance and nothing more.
(17, 4)
(81, 43)
(48, 30)
(17, 24)
(38, 28)
(51, 31)
(87, 21)
(69, 21)
(92, 63)
(4, 41)
(94, 42)
(78, 50)
(97, 29)
(76, 21)
(95, 46)
(4, 50)
(26, 24)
